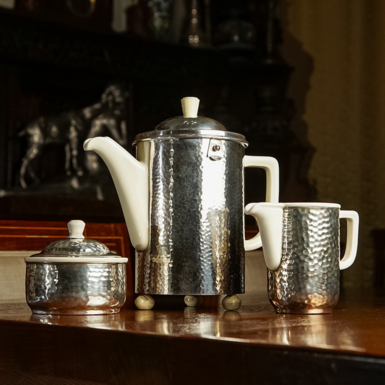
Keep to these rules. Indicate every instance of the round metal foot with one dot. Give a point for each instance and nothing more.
(144, 302)
(231, 302)
(192, 300)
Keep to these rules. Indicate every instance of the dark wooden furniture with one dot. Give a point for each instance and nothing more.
(34, 235)
(378, 236)
(49, 65)
(198, 346)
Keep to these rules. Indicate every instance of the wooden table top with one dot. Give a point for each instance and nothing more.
(356, 326)
(355, 331)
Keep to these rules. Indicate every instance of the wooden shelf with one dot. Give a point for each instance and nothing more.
(28, 40)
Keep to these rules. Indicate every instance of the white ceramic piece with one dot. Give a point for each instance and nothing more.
(269, 217)
(192, 300)
(231, 302)
(352, 238)
(144, 302)
(130, 177)
(270, 165)
(76, 229)
(190, 107)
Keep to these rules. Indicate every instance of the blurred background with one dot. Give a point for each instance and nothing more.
(302, 80)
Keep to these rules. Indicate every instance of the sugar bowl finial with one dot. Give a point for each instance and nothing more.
(76, 229)
(190, 107)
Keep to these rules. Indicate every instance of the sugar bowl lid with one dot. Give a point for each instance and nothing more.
(190, 125)
(76, 249)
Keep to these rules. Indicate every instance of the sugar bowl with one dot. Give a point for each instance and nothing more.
(75, 276)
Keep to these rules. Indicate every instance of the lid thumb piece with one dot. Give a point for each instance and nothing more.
(190, 107)
(76, 229)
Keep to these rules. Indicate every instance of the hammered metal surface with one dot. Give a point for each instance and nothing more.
(75, 288)
(76, 247)
(200, 127)
(308, 278)
(196, 220)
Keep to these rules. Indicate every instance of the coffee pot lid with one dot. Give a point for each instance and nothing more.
(190, 125)
(76, 248)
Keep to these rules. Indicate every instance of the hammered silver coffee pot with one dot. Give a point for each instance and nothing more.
(183, 203)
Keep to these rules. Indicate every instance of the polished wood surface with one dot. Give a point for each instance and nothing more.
(356, 326)
(175, 344)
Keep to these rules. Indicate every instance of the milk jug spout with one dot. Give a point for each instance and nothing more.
(130, 177)
(269, 217)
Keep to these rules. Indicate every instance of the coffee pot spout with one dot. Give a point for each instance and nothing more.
(269, 217)
(130, 177)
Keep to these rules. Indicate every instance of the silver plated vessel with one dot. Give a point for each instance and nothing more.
(308, 278)
(184, 204)
(301, 244)
(75, 276)
(196, 220)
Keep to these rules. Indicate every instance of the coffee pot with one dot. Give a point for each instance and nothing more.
(183, 202)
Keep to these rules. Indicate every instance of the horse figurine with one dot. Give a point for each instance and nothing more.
(69, 129)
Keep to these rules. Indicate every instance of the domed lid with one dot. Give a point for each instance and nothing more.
(190, 125)
(76, 249)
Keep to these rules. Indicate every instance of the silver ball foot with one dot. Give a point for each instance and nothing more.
(192, 300)
(231, 302)
(144, 302)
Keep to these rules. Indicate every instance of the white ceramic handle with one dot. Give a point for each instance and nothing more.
(76, 229)
(270, 165)
(352, 238)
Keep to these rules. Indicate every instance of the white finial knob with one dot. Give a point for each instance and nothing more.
(190, 107)
(76, 229)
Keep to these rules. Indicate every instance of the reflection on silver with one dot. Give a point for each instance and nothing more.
(308, 278)
(75, 288)
(196, 220)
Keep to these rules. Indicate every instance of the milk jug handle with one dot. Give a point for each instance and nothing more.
(352, 238)
(270, 165)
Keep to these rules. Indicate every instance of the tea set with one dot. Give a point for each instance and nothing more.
(183, 202)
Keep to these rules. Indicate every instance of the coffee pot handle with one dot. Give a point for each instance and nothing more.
(352, 238)
(270, 165)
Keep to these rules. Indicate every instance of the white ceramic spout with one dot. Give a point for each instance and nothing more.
(130, 177)
(269, 217)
